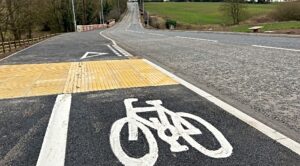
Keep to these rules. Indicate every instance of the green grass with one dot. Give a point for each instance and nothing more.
(269, 26)
(201, 13)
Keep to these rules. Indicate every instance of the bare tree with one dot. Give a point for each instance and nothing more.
(3, 20)
(235, 9)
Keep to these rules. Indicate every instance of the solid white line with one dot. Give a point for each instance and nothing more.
(95, 54)
(26, 48)
(277, 48)
(84, 56)
(273, 134)
(182, 37)
(101, 33)
(55, 140)
(113, 50)
(121, 50)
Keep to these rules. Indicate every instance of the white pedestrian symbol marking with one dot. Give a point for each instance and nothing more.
(181, 128)
(92, 54)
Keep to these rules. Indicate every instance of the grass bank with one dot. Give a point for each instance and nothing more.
(207, 15)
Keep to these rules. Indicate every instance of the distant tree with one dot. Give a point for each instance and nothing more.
(21, 18)
(234, 9)
(107, 7)
(3, 20)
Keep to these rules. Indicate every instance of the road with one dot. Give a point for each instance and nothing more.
(264, 81)
(93, 98)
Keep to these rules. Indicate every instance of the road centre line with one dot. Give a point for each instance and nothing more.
(277, 48)
(55, 141)
(135, 31)
(273, 134)
(156, 34)
(121, 50)
(113, 50)
(200, 39)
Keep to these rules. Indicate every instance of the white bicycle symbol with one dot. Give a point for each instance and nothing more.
(181, 128)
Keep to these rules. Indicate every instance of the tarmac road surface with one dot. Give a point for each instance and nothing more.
(80, 99)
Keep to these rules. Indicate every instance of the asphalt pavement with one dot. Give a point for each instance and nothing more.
(257, 73)
(80, 99)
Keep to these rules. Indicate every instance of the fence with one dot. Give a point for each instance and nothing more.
(10, 46)
(84, 28)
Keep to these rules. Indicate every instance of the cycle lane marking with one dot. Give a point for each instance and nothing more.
(55, 140)
(161, 124)
(270, 132)
(94, 116)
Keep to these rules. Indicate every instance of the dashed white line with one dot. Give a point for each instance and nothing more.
(156, 34)
(55, 140)
(273, 134)
(277, 48)
(200, 39)
(135, 31)
(113, 50)
(125, 53)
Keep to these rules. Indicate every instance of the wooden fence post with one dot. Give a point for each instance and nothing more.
(3, 47)
(15, 43)
(9, 46)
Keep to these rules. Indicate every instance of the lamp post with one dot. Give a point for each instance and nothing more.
(74, 16)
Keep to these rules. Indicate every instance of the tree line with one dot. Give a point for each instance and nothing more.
(22, 18)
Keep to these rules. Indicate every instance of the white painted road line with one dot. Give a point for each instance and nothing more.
(182, 37)
(273, 134)
(277, 48)
(125, 53)
(156, 34)
(54, 145)
(101, 33)
(121, 50)
(135, 31)
(92, 54)
(113, 50)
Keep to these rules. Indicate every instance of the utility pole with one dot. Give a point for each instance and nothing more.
(84, 12)
(143, 6)
(102, 11)
(74, 16)
(119, 8)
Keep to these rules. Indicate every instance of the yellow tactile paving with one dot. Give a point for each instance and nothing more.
(75, 77)
(115, 74)
(32, 79)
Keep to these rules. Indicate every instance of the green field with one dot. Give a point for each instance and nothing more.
(268, 26)
(201, 13)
